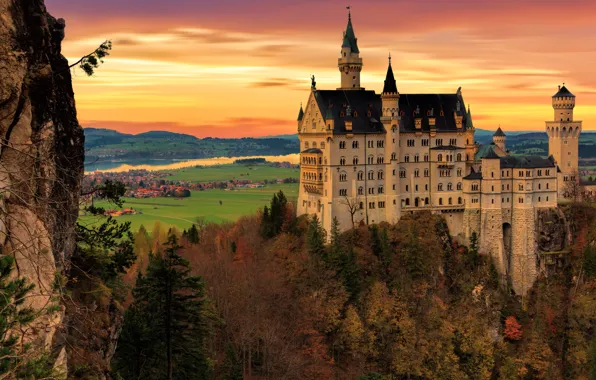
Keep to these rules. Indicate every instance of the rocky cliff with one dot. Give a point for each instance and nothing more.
(41, 159)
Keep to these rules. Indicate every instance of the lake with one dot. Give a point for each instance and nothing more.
(169, 164)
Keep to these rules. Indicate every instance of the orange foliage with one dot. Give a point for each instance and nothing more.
(513, 330)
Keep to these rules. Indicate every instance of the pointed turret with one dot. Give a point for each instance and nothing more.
(390, 86)
(350, 63)
(350, 40)
(300, 113)
(469, 124)
(499, 139)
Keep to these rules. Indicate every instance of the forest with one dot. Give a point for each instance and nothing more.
(267, 297)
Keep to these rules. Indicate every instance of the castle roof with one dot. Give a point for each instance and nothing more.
(350, 39)
(447, 147)
(527, 162)
(563, 91)
(490, 154)
(312, 150)
(474, 175)
(366, 110)
(499, 133)
(469, 124)
(300, 113)
(390, 85)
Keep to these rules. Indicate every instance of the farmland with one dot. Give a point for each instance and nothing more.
(206, 204)
(254, 173)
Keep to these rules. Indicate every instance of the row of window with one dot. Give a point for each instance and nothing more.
(356, 145)
(314, 145)
(442, 173)
(311, 160)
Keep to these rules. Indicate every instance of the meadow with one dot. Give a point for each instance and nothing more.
(205, 204)
(254, 173)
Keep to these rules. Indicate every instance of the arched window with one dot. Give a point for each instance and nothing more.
(440, 201)
(371, 175)
(355, 160)
(416, 173)
(459, 156)
(459, 200)
(306, 145)
(343, 177)
(402, 173)
(459, 187)
(380, 175)
(355, 144)
(361, 190)
(342, 161)
(407, 201)
(426, 158)
(440, 157)
(371, 159)
(449, 186)
(407, 158)
(440, 187)
(450, 201)
(393, 156)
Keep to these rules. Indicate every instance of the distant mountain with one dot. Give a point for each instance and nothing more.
(106, 144)
(285, 137)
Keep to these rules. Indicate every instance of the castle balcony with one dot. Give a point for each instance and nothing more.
(446, 165)
(313, 187)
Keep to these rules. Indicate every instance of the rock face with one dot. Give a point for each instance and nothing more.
(551, 230)
(41, 158)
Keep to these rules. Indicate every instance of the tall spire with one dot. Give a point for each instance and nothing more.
(469, 124)
(300, 113)
(350, 39)
(390, 85)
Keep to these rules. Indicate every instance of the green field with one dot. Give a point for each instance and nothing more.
(181, 213)
(254, 173)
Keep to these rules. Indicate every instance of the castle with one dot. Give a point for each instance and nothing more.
(369, 158)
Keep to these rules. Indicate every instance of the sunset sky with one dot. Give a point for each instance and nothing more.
(231, 68)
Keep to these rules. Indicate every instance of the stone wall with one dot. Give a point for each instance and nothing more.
(491, 236)
(41, 158)
(522, 266)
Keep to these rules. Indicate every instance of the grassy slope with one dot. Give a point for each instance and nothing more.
(181, 213)
(254, 173)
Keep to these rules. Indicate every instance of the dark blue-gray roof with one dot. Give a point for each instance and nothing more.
(366, 110)
(526, 162)
(312, 150)
(563, 91)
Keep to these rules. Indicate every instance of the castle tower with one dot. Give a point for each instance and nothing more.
(390, 120)
(563, 134)
(499, 139)
(350, 63)
(300, 117)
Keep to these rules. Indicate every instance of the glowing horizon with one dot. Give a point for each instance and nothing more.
(235, 68)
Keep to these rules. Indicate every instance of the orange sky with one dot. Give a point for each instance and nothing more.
(232, 68)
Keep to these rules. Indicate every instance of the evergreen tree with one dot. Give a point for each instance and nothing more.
(386, 255)
(16, 360)
(335, 249)
(349, 271)
(473, 255)
(413, 258)
(316, 238)
(164, 334)
(375, 241)
(232, 368)
(590, 261)
(193, 235)
(266, 228)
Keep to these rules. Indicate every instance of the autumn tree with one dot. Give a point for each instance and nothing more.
(512, 330)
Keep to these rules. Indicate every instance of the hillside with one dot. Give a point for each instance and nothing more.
(105, 144)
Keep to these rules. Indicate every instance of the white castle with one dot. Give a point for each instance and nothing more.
(368, 158)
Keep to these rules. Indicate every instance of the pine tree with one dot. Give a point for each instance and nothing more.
(168, 324)
(193, 235)
(386, 256)
(375, 241)
(335, 249)
(316, 238)
(16, 360)
(266, 228)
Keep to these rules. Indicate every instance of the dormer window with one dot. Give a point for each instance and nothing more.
(355, 114)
